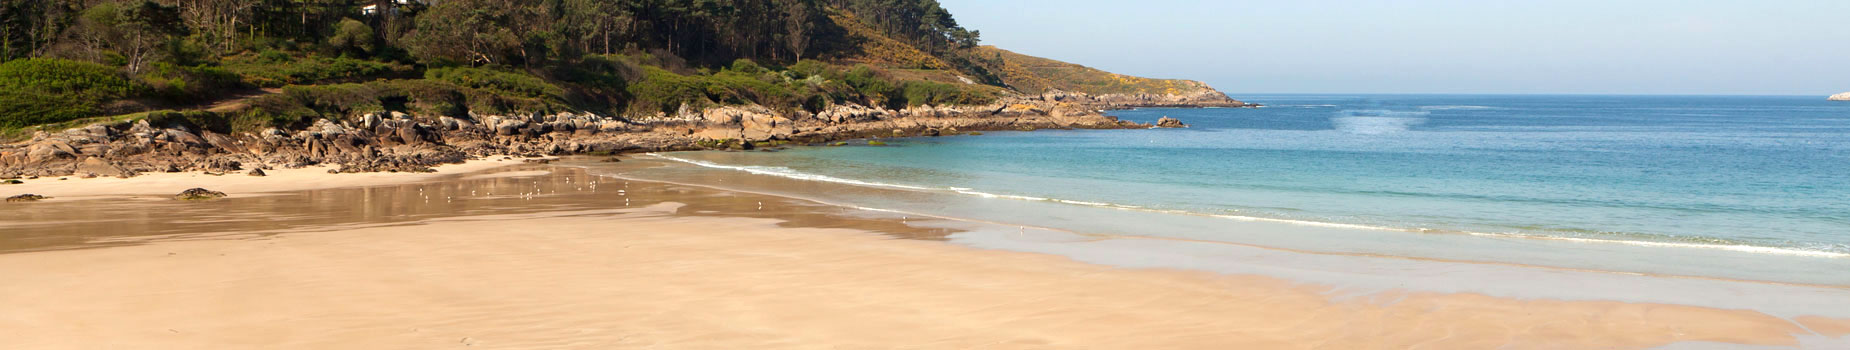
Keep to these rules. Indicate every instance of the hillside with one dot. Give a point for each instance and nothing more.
(71, 62)
(1029, 74)
(142, 85)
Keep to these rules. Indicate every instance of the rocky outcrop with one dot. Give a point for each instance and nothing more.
(397, 142)
(1840, 97)
(1200, 98)
(198, 194)
(26, 198)
(1167, 122)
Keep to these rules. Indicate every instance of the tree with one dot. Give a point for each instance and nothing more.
(473, 31)
(215, 22)
(352, 36)
(139, 31)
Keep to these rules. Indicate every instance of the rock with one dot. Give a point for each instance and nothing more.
(198, 194)
(99, 167)
(257, 172)
(1840, 97)
(370, 121)
(26, 198)
(48, 151)
(606, 160)
(1167, 122)
(16, 181)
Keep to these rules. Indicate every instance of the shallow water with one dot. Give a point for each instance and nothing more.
(1646, 184)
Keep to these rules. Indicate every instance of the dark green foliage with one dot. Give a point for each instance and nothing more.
(301, 104)
(351, 36)
(43, 90)
(190, 84)
(662, 91)
(511, 83)
(486, 56)
(276, 69)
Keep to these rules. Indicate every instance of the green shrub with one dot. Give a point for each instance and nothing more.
(269, 70)
(351, 35)
(919, 92)
(44, 90)
(518, 84)
(189, 84)
(664, 91)
(746, 66)
(299, 104)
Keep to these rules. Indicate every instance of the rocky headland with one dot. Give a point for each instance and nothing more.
(398, 142)
(1840, 97)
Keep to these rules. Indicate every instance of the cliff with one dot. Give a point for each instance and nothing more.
(1840, 97)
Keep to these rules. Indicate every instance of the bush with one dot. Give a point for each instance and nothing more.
(43, 90)
(352, 36)
(300, 104)
(921, 92)
(518, 84)
(664, 91)
(746, 66)
(270, 70)
(189, 84)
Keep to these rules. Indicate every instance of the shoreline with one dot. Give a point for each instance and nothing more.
(575, 246)
(1741, 247)
(398, 142)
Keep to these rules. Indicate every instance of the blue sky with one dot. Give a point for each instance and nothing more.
(1781, 47)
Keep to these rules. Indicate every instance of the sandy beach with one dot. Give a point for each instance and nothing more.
(548, 257)
(276, 180)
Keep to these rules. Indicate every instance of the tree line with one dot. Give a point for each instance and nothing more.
(133, 33)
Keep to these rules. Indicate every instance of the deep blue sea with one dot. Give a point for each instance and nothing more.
(1746, 173)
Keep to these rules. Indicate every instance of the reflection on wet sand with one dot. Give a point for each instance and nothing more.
(516, 189)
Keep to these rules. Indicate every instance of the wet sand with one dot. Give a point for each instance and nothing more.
(551, 257)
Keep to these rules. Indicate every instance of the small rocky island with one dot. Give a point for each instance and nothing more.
(1841, 97)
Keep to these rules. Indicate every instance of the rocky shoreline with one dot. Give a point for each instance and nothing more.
(1840, 97)
(397, 142)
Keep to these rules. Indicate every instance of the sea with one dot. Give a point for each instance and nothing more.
(1732, 187)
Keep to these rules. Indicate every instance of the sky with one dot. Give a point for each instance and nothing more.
(1740, 47)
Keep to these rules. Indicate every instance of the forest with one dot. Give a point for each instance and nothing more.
(290, 61)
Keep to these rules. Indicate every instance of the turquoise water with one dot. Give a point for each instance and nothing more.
(1752, 174)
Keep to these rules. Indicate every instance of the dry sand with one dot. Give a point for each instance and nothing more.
(278, 180)
(646, 278)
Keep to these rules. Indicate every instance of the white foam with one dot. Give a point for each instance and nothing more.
(1728, 247)
(788, 173)
(1461, 107)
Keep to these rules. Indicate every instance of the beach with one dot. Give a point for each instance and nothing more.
(552, 256)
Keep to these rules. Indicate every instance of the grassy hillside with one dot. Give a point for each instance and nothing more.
(1029, 74)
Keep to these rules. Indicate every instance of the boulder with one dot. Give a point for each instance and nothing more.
(1840, 97)
(257, 172)
(51, 150)
(1167, 122)
(198, 194)
(100, 167)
